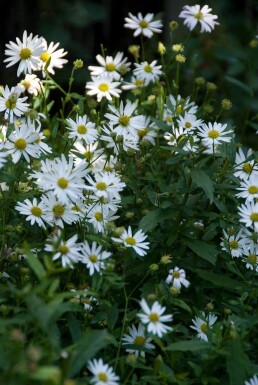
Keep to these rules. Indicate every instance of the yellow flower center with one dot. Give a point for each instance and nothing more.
(81, 129)
(63, 249)
(139, 340)
(213, 134)
(142, 133)
(124, 120)
(10, 104)
(176, 274)
(98, 216)
(204, 327)
(188, 125)
(143, 24)
(45, 56)
(233, 244)
(254, 217)
(130, 241)
(153, 317)
(103, 377)
(26, 84)
(139, 82)
(110, 67)
(252, 258)
(169, 119)
(108, 168)
(179, 109)
(58, 210)
(25, 53)
(247, 168)
(148, 68)
(93, 258)
(253, 189)
(101, 186)
(62, 183)
(88, 155)
(103, 87)
(20, 144)
(36, 211)
(198, 15)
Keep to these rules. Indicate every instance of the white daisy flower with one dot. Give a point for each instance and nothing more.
(144, 25)
(117, 142)
(106, 185)
(21, 142)
(110, 66)
(88, 154)
(148, 72)
(177, 106)
(177, 278)
(203, 324)
(135, 83)
(104, 87)
(43, 147)
(135, 241)
(148, 133)
(244, 166)
(55, 55)
(99, 215)
(138, 338)
(250, 257)
(189, 121)
(93, 257)
(103, 374)
(32, 84)
(67, 251)
(213, 134)
(86, 299)
(61, 177)
(26, 51)
(57, 213)
(3, 156)
(11, 103)
(252, 381)
(248, 188)
(173, 138)
(194, 14)
(248, 213)
(153, 318)
(34, 211)
(124, 120)
(83, 129)
(234, 244)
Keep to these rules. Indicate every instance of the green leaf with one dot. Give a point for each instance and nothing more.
(238, 363)
(204, 250)
(244, 87)
(204, 182)
(48, 374)
(85, 349)
(219, 280)
(35, 264)
(189, 346)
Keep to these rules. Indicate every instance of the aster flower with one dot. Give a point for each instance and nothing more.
(53, 55)
(61, 177)
(88, 154)
(189, 121)
(117, 142)
(244, 164)
(34, 211)
(248, 188)
(93, 257)
(106, 185)
(110, 66)
(177, 278)
(135, 241)
(103, 374)
(68, 251)
(248, 213)
(3, 156)
(194, 14)
(26, 51)
(83, 129)
(250, 256)
(144, 25)
(203, 324)
(148, 72)
(124, 120)
(11, 103)
(213, 134)
(137, 337)
(99, 215)
(154, 319)
(235, 244)
(32, 84)
(135, 83)
(252, 381)
(21, 142)
(104, 87)
(177, 106)
(148, 133)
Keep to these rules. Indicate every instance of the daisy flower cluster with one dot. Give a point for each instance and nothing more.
(129, 203)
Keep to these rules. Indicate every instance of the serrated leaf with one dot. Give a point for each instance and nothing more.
(204, 182)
